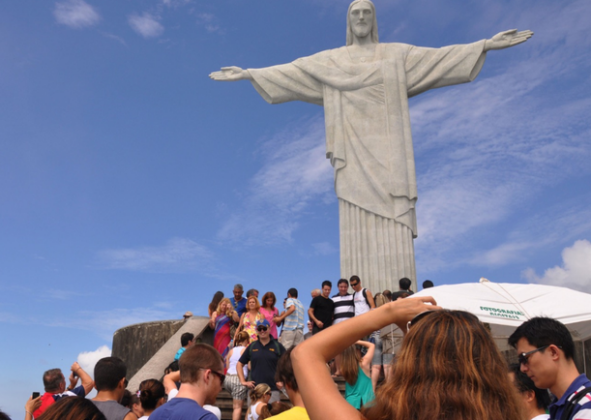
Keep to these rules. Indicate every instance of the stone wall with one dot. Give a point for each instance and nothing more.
(137, 343)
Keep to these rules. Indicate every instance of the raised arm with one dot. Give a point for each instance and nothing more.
(87, 381)
(321, 397)
(230, 74)
(366, 360)
(169, 381)
(507, 39)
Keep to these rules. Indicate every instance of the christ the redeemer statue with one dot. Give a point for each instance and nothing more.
(364, 88)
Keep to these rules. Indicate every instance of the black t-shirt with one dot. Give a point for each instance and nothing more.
(323, 311)
(263, 361)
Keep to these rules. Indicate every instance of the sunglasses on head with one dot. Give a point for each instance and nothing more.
(261, 328)
(416, 319)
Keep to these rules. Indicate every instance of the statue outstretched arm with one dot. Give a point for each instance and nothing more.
(507, 39)
(230, 74)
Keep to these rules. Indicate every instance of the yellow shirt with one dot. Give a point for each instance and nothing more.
(295, 413)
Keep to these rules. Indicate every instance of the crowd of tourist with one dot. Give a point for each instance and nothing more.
(447, 366)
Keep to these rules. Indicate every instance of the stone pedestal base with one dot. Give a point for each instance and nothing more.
(379, 250)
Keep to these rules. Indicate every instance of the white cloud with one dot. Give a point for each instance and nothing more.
(207, 20)
(177, 255)
(75, 14)
(294, 176)
(575, 271)
(146, 24)
(87, 359)
(486, 152)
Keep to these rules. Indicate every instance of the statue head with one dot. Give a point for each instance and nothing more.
(355, 8)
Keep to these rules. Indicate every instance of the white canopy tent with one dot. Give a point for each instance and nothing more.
(505, 306)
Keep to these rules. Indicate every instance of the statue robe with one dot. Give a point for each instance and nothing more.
(369, 142)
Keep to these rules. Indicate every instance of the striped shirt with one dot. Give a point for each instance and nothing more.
(344, 308)
(582, 410)
(296, 319)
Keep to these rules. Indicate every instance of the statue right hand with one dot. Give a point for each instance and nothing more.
(230, 74)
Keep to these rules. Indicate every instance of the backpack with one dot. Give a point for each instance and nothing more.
(572, 403)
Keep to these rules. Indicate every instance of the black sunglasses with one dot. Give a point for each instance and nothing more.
(261, 328)
(354, 284)
(219, 375)
(523, 358)
(417, 318)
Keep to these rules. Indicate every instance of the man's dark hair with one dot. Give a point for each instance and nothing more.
(185, 338)
(284, 372)
(252, 292)
(108, 372)
(388, 294)
(355, 278)
(342, 281)
(404, 283)
(196, 358)
(542, 331)
(4, 416)
(327, 283)
(525, 384)
(293, 292)
(427, 284)
(173, 367)
(52, 379)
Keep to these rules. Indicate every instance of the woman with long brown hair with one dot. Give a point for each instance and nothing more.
(215, 301)
(448, 368)
(355, 370)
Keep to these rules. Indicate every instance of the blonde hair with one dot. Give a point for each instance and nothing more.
(259, 392)
(229, 308)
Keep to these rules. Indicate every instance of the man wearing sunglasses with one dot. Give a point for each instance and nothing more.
(263, 355)
(545, 351)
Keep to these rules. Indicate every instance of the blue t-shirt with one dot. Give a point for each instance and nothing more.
(583, 407)
(179, 353)
(239, 307)
(182, 409)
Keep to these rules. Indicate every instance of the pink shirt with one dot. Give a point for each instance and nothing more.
(269, 317)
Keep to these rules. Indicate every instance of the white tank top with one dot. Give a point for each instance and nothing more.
(361, 305)
(234, 360)
(252, 414)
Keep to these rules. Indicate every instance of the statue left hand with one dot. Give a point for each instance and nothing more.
(507, 39)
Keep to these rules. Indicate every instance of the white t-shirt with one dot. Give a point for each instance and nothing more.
(361, 305)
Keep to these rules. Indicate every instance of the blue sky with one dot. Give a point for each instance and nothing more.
(133, 187)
